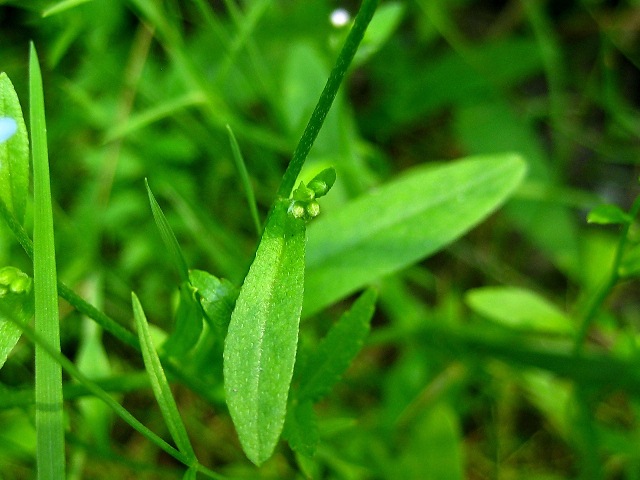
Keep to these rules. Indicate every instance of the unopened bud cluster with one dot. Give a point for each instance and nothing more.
(304, 203)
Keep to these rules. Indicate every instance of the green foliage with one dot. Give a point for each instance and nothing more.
(384, 231)
(16, 301)
(260, 346)
(14, 153)
(504, 341)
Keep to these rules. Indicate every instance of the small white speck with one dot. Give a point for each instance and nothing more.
(8, 127)
(340, 17)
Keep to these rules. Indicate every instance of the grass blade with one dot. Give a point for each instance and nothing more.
(337, 350)
(246, 181)
(159, 383)
(49, 415)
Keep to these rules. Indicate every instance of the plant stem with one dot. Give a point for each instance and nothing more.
(603, 292)
(326, 97)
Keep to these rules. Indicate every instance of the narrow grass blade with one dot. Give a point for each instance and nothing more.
(168, 237)
(14, 151)
(261, 343)
(159, 384)
(246, 181)
(49, 415)
(403, 222)
(338, 349)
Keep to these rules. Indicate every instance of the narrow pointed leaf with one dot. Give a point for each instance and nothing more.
(14, 151)
(168, 237)
(338, 349)
(159, 383)
(403, 222)
(261, 343)
(50, 456)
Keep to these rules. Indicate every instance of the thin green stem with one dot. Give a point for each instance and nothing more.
(50, 455)
(327, 96)
(603, 292)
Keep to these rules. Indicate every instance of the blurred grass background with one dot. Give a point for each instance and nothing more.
(144, 88)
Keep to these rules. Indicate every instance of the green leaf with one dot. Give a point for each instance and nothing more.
(14, 153)
(520, 309)
(260, 347)
(217, 296)
(159, 383)
(323, 369)
(50, 456)
(608, 214)
(301, 428)
(16, 302)
(168, 237)
(403, 222)
(187, 325)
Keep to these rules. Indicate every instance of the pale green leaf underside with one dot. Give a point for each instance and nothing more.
(518, 308)
(402, 222)
(261, 343)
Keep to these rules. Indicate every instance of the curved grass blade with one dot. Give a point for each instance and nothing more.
(403, 222)
(261, 343)
(159, 384)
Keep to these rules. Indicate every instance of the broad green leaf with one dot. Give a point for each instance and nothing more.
(16, 301)
(217, 296)
(159, 383)
(323, 369)
(14, 153)
(608, 214)
(518, 308)
(403, 222)
(260, 347)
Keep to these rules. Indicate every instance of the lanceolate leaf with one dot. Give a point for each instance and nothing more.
(336, 351)
(14, 153)
(260, 347)
(159, 383)
(403, 222)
